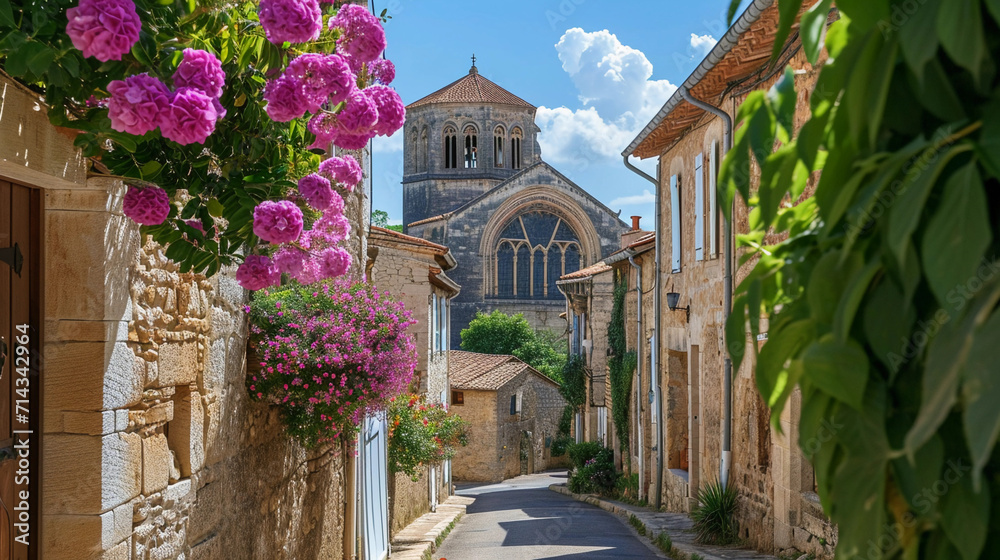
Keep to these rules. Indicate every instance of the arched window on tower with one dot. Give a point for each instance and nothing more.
(515, 148)
(450, 148)
(471, 146)
(499, 137)
(422, 151)
(546, 248)
(416, 150)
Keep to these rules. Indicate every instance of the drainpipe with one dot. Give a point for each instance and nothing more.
(656, 330)
(351, 502)
(727, 382)
(638, 367)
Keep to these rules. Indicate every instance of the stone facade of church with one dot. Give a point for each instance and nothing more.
(474, 180)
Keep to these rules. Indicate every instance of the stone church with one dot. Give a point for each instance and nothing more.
(474, 180)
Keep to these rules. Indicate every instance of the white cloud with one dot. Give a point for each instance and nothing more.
(388, 144)
(634, 200)
(702, 44)
(619, 98)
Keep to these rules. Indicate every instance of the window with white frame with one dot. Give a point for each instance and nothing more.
(675, 223)
(653, 412)
(699, 207)
(713, 217)
(435, 325)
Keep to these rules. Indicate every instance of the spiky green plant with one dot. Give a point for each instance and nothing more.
(714, 518)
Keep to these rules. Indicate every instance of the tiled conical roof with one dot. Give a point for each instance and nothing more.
(474, 89)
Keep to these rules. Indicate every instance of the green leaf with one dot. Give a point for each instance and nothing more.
(958, 234)
(734, 5)
(887, 322)
(215, 208)
(774, 381)
(947, 354)
(920, 474)
(811, 29)
(827, 283)
(981, 393)
(838, 368)
(126, 141)
(736, 333)
(960, 28)
(918, 36)
(788, 10)
(865, 13)
(6, 15)
(965, 514)
(853, 294)
(38, 57)
(905, 213)
(150, 170)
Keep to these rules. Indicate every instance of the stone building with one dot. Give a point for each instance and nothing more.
(474, 180)
(513, 411)
(414, 271)
(144, 442)
(778, 507)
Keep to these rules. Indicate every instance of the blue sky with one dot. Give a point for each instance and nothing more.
(597, 72)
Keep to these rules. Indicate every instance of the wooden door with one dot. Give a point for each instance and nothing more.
(20, 227)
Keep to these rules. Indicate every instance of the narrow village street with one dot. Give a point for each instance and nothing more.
(521, 519)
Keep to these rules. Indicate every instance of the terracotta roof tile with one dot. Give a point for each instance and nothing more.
(483, 372)
(472, 88)
(645, 239)
(591, 270)
(406, 239)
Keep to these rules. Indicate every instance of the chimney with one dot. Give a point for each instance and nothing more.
(635, 222)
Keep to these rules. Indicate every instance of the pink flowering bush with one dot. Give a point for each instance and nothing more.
(317, 191)
(362, 36)
(344, 170)
(257, 272)
(200, 70)
(382, 71)
(390, 108)
(190, 118)
(137, 104)
(328, 355)
(148, 206)
(103, 29)
(292, 21)
(277, 221)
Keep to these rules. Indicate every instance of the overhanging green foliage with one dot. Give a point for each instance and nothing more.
(883, 299)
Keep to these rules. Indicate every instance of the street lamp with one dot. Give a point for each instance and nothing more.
(672, 300)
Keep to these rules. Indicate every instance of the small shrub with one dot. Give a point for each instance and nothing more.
(594, 470)
(696, 556)
(560, 444)
(714, 518)
(422, 433)
(580, 453)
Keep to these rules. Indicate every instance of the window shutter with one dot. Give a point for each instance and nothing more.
(713, 218)
(675, 223)
(699, 208)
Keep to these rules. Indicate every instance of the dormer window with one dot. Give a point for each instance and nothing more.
(450, 148)
(471, 146)
(515, 148)
(499, 135)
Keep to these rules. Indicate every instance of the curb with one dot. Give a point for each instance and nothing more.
(410, 544)
(677, 550)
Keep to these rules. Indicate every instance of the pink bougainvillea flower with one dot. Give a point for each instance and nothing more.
(277, 221)
(353, 141)
(362, 35)
(200, 70)
(148, 206)
(257, 272)
(292, 21)
(190, 118)
(137, 104)
(344, 169)
(196, 224)
(382, 71)
(322, 78)
(334, 262)
(391, 110)
(284, 99)
(103, 29)
(317, 191)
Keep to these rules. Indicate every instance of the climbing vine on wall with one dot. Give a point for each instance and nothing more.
(882, 299)
(621, 366)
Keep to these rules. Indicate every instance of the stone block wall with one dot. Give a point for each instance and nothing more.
(480, 461)
(151, 447)
(777, 511)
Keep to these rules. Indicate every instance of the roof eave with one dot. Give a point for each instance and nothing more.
(718, 52)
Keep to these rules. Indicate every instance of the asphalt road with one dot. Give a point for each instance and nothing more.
(521, 519)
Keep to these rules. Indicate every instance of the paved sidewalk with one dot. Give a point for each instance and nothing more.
(421, 536)
(676, 525)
